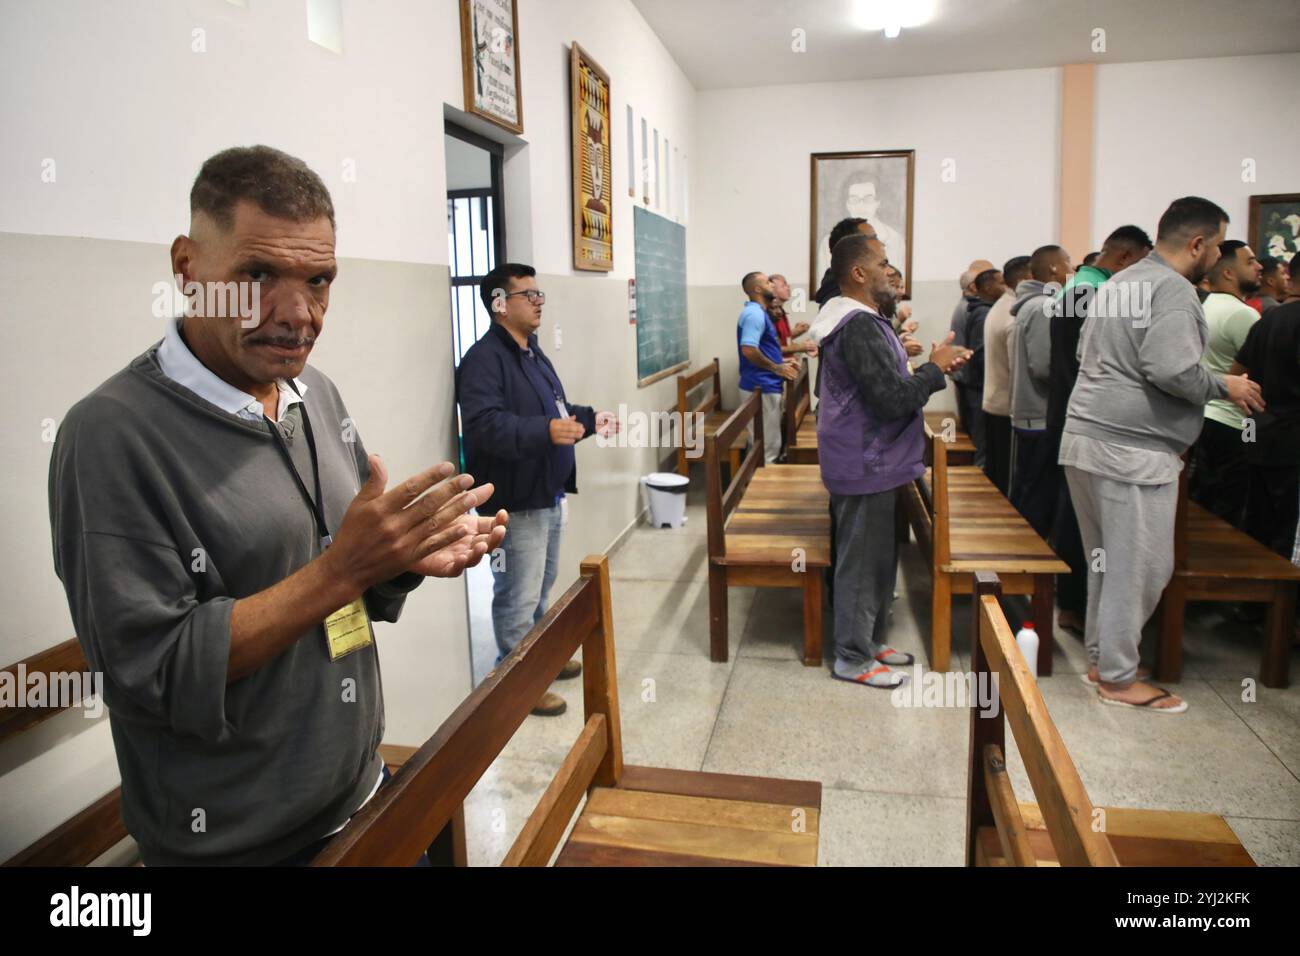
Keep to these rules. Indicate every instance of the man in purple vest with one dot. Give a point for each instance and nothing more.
(870, 440)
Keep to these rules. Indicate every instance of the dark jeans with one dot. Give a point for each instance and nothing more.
(308, 853)
(1072, 588)
(1219, 477)
(997, 461)
(973, 399)
(1036, 478)
(1271, 506)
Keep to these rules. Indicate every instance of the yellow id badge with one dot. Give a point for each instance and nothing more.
(348, 630)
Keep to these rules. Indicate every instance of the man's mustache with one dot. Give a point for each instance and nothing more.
(283, 341)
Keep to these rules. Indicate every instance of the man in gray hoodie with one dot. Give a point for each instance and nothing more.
(1137, 406)
(1035, 473)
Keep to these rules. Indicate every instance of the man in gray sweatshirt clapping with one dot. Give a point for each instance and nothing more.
(1138, 405)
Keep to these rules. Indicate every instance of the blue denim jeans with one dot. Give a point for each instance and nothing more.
(523, 574)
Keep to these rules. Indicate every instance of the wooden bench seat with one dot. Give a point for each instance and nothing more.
(800, 423)
(1214, 561)
(964, 524)
(632, 815)
(1063, 828)
(770, 528)
(711, 409)
(688, 818)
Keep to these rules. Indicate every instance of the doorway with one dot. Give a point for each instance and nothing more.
(476, 237)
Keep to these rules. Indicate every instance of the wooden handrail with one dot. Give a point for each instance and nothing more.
(65, 658)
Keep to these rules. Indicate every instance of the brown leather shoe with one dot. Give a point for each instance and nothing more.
(570, 670)
(550, 705)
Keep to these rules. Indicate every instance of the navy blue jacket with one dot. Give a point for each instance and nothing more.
(506, 423)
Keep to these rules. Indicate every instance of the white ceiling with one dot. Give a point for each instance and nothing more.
(739, 43)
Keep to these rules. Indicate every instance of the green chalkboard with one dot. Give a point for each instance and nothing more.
(662, 334)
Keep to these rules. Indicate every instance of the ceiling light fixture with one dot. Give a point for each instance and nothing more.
(891, 15)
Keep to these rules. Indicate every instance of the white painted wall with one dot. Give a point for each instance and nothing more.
(751, 183)
(1185, 127)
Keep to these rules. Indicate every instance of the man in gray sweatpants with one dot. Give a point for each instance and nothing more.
(1137, 407)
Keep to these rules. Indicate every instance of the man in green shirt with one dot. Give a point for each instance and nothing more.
(1219, 476)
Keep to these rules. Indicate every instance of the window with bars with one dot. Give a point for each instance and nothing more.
(471, 234)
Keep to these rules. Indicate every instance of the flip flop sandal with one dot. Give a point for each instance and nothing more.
(1146, 704)
(901, 658)
(866, 678)
(1142, 674)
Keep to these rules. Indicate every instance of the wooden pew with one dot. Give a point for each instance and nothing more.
(961, 450)
(770, 528)
(1062, 828)
(710, 408)
(98, 827)
(1213, 561)
(800, 425)
(964, 525)
(633, 816)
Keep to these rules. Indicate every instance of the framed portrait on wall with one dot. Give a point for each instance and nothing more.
(876, 186)
(593, 206)
(489, 56)
(1275, 225)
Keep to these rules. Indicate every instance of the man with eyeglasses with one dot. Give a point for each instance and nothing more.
(519, 432)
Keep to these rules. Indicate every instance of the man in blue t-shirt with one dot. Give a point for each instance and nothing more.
(762, 366)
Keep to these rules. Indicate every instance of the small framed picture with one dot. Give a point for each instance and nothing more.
(489, 55)
(1275, 225)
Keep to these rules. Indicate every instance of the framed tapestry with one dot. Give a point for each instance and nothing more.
(593, 207)
(489, 58)
(875, 186)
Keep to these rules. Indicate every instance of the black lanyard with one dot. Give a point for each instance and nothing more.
(317, 506)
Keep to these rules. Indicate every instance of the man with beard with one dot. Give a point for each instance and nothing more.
(1273, 284)
(1123, 247)
(1137, 406)
(871, 441)
(762, 365)
(1218, 478)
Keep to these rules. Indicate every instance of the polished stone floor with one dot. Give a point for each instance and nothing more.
(895, 778)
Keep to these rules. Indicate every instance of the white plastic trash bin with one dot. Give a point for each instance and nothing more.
(666, 497)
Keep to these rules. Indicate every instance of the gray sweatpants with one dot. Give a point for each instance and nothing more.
(771, 425)
(865, 567)
(1128, 544)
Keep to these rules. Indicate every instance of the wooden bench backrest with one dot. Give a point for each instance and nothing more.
(1063, 802)
(685, 385)
(719, 504)
(798, 402)
(405, 816)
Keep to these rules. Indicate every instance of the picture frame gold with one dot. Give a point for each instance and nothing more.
(489, 56)
(592, 163)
